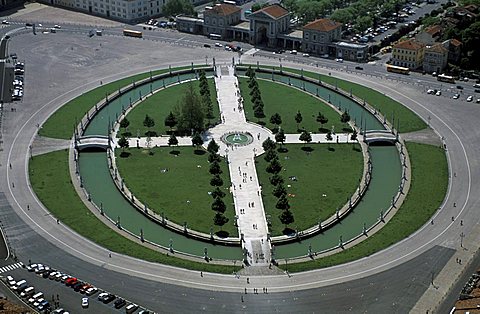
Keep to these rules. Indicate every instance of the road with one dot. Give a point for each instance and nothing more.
(73, 63)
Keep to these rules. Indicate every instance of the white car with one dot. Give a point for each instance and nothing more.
(293, 52)
(5, 22)
(478, 100)
(430, 91)
(470, 98)
(11, 281)
(84, 303)
(306, 55)
(339, 60)
(218, 45)
(439, 93)
(456, 96)
(57, 26)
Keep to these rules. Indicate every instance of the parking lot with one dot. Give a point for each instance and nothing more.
(62, 292)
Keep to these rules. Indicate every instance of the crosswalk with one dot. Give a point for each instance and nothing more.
(10, 267)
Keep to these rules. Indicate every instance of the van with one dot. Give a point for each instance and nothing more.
(99, 33)
(27, 292)
(131, 308)
(19, 284)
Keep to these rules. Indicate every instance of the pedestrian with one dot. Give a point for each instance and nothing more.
(201, 274)
(431, 222)
(248, 281)
(245, 290)
(110, 255)
(10, 166)
(251, 178)
(453, 218)
(253, 205)
(58, 221)
(242, 297)
(28, 207)
(461, 222)
(262, 240)
(454, 204)
(13, 185)
(266, 291)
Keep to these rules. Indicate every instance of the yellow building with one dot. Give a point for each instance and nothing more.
(409, 54)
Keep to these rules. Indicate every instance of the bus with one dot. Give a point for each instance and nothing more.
(445, 78)
(130, 33)
(397, 69)
(215, 36)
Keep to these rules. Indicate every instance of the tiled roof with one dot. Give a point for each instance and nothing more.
(434, 30)
(409, 45)
(455, 42)
(323, 25)
(224, 9)
(275, 10)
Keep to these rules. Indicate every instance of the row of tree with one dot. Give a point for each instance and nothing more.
(255, 94)
(279, 191)
(218, 205)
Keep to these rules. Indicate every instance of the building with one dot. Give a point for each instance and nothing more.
(189, 24)
(267, 24)
(217, 18)
(123, 10)
(409, 54)
(430, 35)
(319, 35)
(435, 58)
(351, 51)
(454, 47)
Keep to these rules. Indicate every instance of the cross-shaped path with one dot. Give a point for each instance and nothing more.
(245, 187)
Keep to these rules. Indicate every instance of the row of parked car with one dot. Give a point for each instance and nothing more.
(84, 288)
(19, 70)
(35, 299)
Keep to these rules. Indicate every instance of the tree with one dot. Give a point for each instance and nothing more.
(253, 84)
(274, 166)
(215, 168)
(268, 144)
(212, 147)
(280, 137)
(172, 141)
(219, 219)
(270, 155)
(354, 135)
(218, 205)
(329, 137)
(176, 7)
(276, 119)
(258, 112)
(286, 217)
(124, 123)
(282, 202)
(322, 119)
(191, 112)
(149, 123)
(279, 191)
(216, 181)
(123, 143)
(171, 120)
(305, 137)
(345, 117)
(298, 119)
(276, 179)
(208, 107)
(213, 157)
(197, 140)
(218, 193)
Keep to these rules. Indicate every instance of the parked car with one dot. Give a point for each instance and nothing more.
(470, 98)
(339, 60)
(438, 93)
(306, 55)
(5, 22)
(91, 291)
(459, 87)
(358, 68)
(119, 303)
(293, 52)
(207, 46)
(11, 282)
(84, 303)
(218, 45)
(456, 96)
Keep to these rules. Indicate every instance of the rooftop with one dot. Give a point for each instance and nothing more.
(323, 25)
(245, 25)
(434, 30)
(223, 9)
(455, 42)
(438, 48)
(409, 45)
(275, 11)
(351, 45)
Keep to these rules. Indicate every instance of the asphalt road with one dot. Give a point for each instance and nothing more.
(63, 65)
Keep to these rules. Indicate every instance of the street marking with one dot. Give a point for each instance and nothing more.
(10, 267)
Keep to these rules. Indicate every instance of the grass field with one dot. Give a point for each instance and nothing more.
(409, 121)
(60, 123)
(427, 191)
(51, 182)
(181, 192)
(286, 101)
(334, 173)
(161, 103)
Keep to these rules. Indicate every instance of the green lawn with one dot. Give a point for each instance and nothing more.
(409, 121)
(181, 192)
(61, 122)
(427, 191)
(318, 174)
(286, 101)
(161, 103)
(51, 182)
